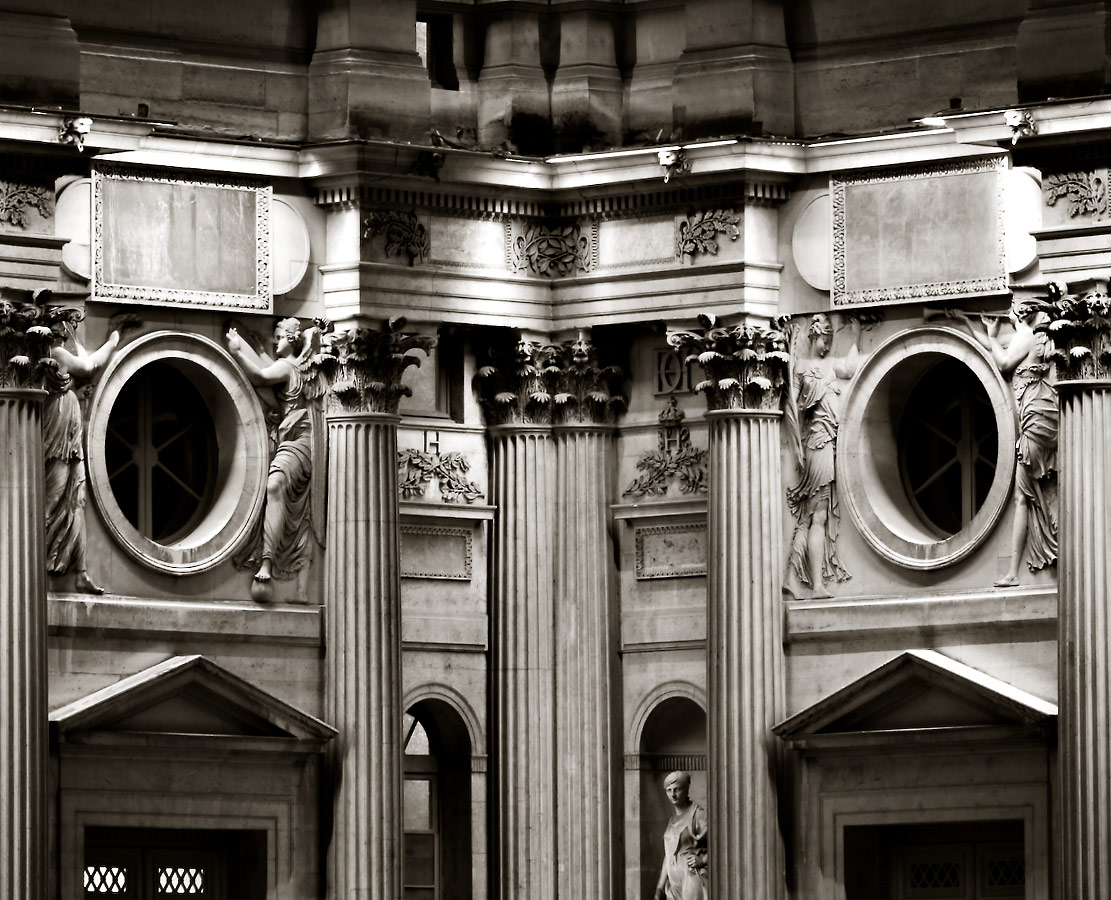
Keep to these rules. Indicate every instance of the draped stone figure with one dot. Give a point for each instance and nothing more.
(63, 436)
(1024, 359)
(811, 420)
(684, 875)
(282, 539)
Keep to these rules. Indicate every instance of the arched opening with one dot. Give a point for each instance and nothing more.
(436, 803)
(674, 737)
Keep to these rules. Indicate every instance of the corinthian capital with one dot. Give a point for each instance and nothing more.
(516, 386)
(746, 365)
(1079, 326)
(584, 388)
(27, 332)
(367, 365)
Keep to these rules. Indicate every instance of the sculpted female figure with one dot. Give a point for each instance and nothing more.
(1035, 495)
(812, 419)
(684, 875)
(281, 542)
(63, 433)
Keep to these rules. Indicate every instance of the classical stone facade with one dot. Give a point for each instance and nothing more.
(492, 408)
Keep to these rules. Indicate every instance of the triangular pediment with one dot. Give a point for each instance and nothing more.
(921, 692)
(188, 696)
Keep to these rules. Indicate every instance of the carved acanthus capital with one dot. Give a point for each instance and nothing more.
(585, 390)
(1080, 327)
(367, 366)
(516, 387)
(27, 332)
(746, 365)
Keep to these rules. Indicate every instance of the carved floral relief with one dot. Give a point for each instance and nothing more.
(675, 458)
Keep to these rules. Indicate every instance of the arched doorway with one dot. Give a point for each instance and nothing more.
(673, 737)
(437, 803)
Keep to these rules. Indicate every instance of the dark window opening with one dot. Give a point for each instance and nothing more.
(160, 451)
(936, 861)
(436, 47)
(947, 447)
(165, 863)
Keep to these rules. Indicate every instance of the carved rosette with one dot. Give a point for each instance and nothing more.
(746, 365)
(367, 367)
(27, 332)
(516, 387)
(1080, 327)
(585, 390)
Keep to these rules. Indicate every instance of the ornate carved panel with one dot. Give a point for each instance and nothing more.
(19, 200)
(173, 238)
(950, 239)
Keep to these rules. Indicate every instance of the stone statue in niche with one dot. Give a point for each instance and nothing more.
(811, 419)
(685, 870)
(292, 387)
(63, 432)
(1024, 358)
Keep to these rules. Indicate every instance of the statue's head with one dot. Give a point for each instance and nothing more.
(820, 333)
(288, 331)
(1026, 310)
(677, 786)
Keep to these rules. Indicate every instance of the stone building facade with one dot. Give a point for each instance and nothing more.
(426, 425)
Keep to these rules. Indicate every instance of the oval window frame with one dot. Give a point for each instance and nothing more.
(875, 495)
(243, 454)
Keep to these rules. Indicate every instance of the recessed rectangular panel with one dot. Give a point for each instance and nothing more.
(916, 232)
(671, 551)
(182, 239)
(431, 552)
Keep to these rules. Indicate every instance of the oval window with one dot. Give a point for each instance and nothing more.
(178, 452)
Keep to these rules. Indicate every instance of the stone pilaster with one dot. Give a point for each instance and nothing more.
(746, 369)
(587, 748)
(517, 399)
(25, 340)
(1084, 622)
(363, 601)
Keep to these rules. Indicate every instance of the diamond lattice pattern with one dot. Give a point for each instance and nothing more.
(179, 880)
(934, 875)
(1006, 873)
(105, 880)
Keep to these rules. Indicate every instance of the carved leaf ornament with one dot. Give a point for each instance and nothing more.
(405, 235)
(417, 468)
(17, 199)
(552, 252)
(27, 332)
(746, 365)
(1085, 191)
(698, 232)
(1080, 328)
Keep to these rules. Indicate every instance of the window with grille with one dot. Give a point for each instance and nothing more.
(947, 447)
(420, 872)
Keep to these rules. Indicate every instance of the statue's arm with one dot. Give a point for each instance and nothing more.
(846, 366)
(274, 373)
(84, 364)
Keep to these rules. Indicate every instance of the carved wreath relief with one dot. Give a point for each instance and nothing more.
(675, 458)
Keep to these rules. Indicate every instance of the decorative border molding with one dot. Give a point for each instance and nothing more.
(262, 299)
(989, 285)
(681, 570)
(665, 762)
(427, 530)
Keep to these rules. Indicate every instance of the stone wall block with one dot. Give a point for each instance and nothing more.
(363, 597)
(23, 672)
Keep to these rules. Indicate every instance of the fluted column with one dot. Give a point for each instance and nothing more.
(363, 610)
(587, 748)
(1084, 620)
(523, 488)
(746, 368)
(23, 724)
(25, 341)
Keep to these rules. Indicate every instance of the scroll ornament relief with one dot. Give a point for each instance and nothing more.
(554, 251)
(676, 457)
(746, 365)
(697, 232)
(405, 235)
(1086, 192)
(16, 200)
(417, 468)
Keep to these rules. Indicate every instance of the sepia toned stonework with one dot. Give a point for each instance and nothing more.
(594, 451)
